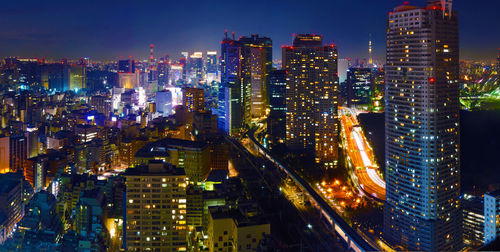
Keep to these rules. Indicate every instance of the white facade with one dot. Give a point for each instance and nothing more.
(491, 216)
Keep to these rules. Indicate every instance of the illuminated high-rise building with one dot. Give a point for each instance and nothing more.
(257, 57)
(163, 69)
(163, 100)
(155, 208)
(77, 77)
(245, 64)
(231, 92)
(193, 99)
(359, 85)
(276, 122)
(422, 128)
(211, 66)
(195, 65)
(126, 66)
(311, 97)
(56, 77)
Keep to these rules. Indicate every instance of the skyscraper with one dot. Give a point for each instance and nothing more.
(276, 122)
(256, 65)
(311, 97)
(359, 85)
(245, 64)
(55, 76)
(231, 92)
(422, 128)
(211, 66)
(163, 71)
(77, 77)
(195, 65)
(163, 100)
(126, 66)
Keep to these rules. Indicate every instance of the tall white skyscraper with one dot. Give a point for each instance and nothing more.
(422, 128)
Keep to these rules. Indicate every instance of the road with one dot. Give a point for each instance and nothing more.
(360, 155)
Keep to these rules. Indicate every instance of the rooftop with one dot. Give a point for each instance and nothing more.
(160, 147)
(155, 168)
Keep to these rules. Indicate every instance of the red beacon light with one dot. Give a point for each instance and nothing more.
(432, 80)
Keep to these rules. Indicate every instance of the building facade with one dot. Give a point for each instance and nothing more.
(422, 209)
(491, 216)
(359, 86)
(473, 220)
(231, 92)
(276, 122)
(193, 99)
(155, 208)
(311, 97)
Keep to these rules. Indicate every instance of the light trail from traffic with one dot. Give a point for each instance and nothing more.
(361, 156)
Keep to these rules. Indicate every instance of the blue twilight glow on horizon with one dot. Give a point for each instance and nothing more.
(108, 29)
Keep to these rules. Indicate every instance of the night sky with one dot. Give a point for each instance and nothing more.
(104, 30)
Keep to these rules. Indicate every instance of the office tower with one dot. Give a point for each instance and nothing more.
(29, 72)
(359, 86)
(155, 208)
(231, 92)
(245, 64)
(422, 129)
(126, 66)
(175, 74)
(11, 203)
(256, 65)
(276, 122)
(343, 65)
(195, 64)
(311, 97)
(193, 99)
(77, 77)
(183, 61)
(211, 66)
(55, 77)
(473, 220)
(163, 100)
(491, 216)
(163, 71)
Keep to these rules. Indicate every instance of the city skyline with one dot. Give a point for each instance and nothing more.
(108, 31)
(249, 126)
